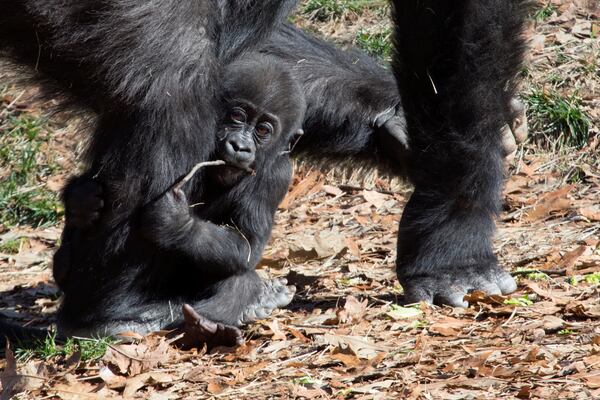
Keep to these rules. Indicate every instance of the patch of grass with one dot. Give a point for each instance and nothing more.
(325, 10)
(592, 279)
(573, 281)
(544, 12)
(90, 349)
(305, 381)
(558, 118)
(11, 246)
(376, 43)
(566, 332)
(522, 301)
(347, 282)
(537, 276)
(23, 198)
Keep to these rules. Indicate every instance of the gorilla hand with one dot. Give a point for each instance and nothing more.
(450, 286)
(84, 202)
(165, 219)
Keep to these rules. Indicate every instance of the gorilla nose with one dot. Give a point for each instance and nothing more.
(239, 147)
(241, 151)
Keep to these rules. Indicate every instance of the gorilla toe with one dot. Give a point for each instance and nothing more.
(199, 330)
(275, 294)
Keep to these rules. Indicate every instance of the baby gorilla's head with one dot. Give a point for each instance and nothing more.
(264, 111)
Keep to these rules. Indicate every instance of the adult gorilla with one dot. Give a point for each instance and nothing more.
(152, 70)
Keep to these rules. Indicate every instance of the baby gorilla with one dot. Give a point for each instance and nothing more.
(201, 256)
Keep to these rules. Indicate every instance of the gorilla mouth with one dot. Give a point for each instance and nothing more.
(233, 162)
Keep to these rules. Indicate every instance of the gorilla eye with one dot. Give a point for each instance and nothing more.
(264, 129)
(238, 115)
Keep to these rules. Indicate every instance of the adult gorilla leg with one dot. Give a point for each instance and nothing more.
(455, 64)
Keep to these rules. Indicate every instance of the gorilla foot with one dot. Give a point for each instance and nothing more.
(199, 330)
(449, 286)
(274, 294)
(514, 132)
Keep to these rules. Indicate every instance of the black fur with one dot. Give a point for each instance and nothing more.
(175, 254)
(153, 71)
(455, 63)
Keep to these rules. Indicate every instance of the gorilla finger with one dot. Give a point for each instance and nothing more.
(98, 203)
(509, 145)
(506, 283)
(94, 216)
(455, 298)
(253, 314)
(517, 106)
(519, 125)
(191, 317)
(488, 288)
(282, 281)
(416, 294)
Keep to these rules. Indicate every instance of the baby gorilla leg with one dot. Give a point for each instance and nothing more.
(199, 330)
(274, 294)
(241, 299)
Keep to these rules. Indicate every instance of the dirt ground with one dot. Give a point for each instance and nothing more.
(346, 335)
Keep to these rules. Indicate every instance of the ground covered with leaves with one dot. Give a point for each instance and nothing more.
(346, 335)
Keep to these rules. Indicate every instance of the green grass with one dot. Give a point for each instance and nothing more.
(558, 118)
(544, 12)
(592, 279)
(325, 10)
(11, 246)
(90, 349)
(377, 43)
(566, 332)
(24, 199)
(522, 301)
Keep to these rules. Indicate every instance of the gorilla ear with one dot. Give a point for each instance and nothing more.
(296, 136)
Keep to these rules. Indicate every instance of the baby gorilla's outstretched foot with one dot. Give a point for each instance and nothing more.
(274, 294)
(198, 330)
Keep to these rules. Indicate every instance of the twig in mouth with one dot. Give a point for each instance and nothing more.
(195, 169)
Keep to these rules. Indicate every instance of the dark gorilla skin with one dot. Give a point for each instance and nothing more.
(439, 112)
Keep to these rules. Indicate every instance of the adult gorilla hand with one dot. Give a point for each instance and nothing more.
(450, 286)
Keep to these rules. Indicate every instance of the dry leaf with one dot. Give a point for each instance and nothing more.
(570, 259)
(140, 381)
(278, 334)
(448, 326)
(300, 189)
(9, 377)
(353, 310)
(361, 347)
(551, 202)
(591, 213)
(374, 198)
(133, 359)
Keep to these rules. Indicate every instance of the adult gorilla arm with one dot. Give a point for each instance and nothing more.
(150, 68)
(347, 94)
(456, 63)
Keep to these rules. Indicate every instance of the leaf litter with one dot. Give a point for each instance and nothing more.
(347, 334)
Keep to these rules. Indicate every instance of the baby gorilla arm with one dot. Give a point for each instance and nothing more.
(222, 250)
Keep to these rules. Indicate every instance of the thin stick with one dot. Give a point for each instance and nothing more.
(191, 174)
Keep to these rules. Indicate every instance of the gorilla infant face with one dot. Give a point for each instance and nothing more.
(246, 129)
(263, 113)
